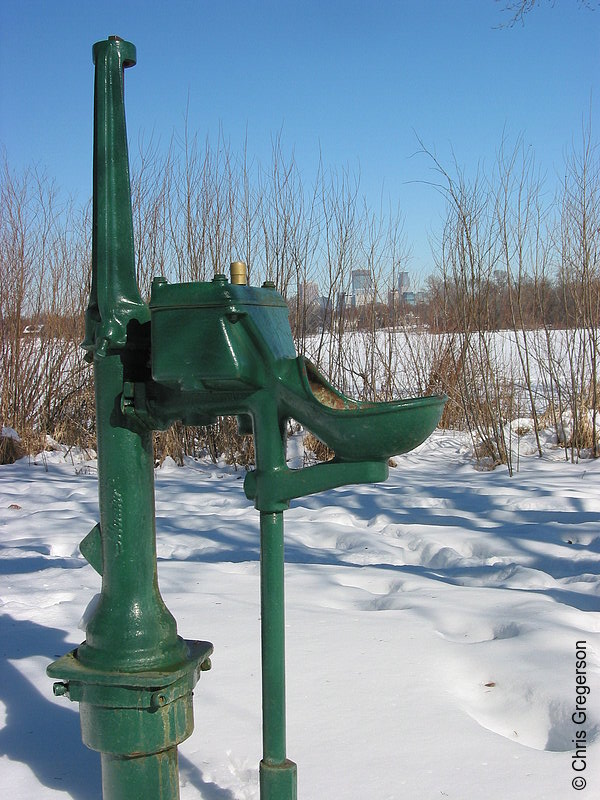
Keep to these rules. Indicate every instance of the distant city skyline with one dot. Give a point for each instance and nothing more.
(364, 290)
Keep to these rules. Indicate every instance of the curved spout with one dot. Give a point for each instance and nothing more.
(115, 299)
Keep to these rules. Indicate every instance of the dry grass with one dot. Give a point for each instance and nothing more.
(315, 452)
(11, 450)
(222, 439)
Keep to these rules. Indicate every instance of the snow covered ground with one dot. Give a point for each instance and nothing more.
(434, 626)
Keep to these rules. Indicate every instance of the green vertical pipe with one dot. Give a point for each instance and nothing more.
(133, 675)
(277, 774)
(154, 777)
(272, 636)
(131, 629)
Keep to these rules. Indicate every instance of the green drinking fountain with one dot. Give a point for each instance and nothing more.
(196, 351)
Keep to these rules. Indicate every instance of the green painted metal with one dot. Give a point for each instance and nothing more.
(197, 351)
(153, 777)
(133, 676)
(91, 549)
(277, 774)
(273, 636)
(115, 301)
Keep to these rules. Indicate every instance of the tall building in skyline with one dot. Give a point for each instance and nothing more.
(363, 290)
(403, 282)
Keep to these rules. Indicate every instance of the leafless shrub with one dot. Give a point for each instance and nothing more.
(514, 273)
(43, 270)
(506, 263)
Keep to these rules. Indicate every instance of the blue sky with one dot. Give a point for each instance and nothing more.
(356, 82)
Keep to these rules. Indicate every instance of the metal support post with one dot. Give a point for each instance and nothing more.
(277, 774)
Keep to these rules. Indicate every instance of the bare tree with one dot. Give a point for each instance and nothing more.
(519, 9)
(41, 309)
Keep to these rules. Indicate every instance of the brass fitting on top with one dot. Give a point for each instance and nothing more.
(239, 273)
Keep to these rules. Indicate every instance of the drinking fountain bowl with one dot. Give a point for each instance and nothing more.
(356, 430)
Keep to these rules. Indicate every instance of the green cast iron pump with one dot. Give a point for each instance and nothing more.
(195, 352)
